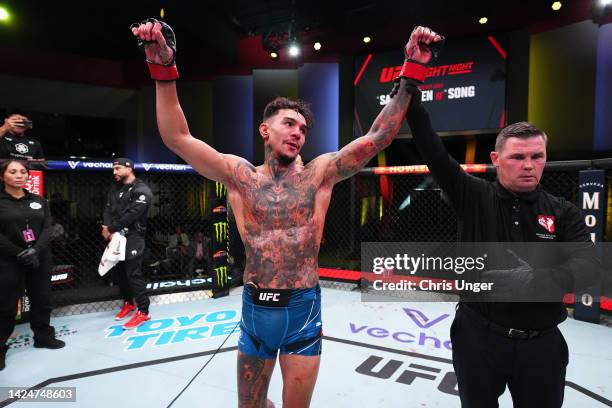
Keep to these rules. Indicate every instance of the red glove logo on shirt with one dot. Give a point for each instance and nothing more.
(548, 222)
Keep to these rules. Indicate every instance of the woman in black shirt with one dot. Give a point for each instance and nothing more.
(25, 259)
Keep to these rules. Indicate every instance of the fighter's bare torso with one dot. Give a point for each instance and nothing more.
(280, 219)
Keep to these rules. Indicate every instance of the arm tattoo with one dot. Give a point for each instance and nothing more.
(357, 154)
(349, 164)
(388, 122)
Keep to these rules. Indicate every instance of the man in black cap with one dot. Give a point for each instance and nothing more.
(126, 213)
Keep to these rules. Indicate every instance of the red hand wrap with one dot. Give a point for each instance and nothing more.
(161, 73)
(414, 71)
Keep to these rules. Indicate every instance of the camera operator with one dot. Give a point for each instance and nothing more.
(14, 144)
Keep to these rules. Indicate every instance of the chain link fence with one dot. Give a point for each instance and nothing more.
(179, 217)
(367, 207)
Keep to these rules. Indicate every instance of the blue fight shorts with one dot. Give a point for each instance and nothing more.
(288, 320)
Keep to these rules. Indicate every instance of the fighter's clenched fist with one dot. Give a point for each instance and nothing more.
(422, 45)
(157, 40)
(421, 48)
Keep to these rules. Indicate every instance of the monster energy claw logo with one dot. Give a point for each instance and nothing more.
(220, 231)
(220, 189)
(221, 273)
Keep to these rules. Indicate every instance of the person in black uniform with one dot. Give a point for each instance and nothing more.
(126, 213)
(516, 344)
(14, 144)
(25, 259)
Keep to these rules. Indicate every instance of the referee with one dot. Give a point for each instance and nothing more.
(514, 344)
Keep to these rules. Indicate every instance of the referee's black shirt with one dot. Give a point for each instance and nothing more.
(487, 212)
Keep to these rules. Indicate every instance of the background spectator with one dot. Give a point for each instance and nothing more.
(14, 144)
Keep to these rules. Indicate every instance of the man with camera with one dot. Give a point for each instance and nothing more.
(14, 144)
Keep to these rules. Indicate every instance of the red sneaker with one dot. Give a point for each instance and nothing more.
(126, 309)
(136, 320)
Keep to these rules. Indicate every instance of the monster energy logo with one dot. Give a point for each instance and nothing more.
(221, 273)
(220, 231)
(220, 189)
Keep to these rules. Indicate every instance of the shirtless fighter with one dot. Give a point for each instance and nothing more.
(280, 210)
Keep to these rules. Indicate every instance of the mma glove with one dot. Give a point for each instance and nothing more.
(415, 73)
(168, 71)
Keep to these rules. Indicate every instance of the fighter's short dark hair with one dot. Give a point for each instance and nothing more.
(301, 107)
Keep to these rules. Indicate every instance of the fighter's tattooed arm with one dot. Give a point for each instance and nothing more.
(354, 156)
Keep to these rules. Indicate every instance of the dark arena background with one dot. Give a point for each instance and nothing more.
(77, 73)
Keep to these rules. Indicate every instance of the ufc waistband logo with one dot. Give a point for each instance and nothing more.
(269, 297)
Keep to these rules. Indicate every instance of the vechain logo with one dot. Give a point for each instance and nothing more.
(176, 330)
(172, 167)
(419, 337)
(170, 284)
(97, 165)
(73, 164)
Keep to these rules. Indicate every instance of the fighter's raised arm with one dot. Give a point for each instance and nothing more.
(354, 156)
(159, 44)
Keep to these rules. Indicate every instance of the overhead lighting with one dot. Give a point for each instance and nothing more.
(162, 13)
(274, 55)
(600, 11)
(483, 20)
(294, 50)
(366, 39)
(317, 46)
(556, 5)
(4, 14)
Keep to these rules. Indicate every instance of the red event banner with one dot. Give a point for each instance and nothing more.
(35, 182)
